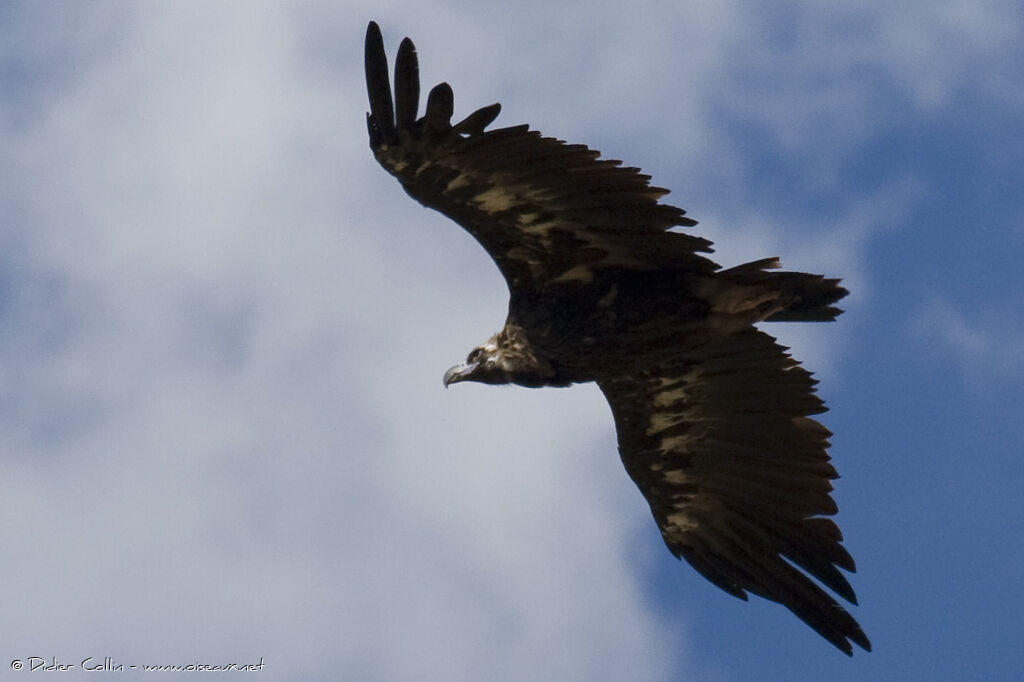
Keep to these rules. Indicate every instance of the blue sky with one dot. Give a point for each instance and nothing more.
(223, 434)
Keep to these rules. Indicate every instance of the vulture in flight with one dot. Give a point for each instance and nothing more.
(714, 419)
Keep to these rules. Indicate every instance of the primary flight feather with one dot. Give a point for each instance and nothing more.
(714, 418)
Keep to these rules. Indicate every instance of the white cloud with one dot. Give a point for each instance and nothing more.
(239, 446)
(224, 432)
(984, 349)
(845, 67)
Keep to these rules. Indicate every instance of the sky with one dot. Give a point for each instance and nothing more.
(223, 433)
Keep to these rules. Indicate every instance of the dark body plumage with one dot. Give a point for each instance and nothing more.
(713, 417)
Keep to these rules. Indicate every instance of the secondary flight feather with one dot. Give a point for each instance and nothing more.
(713, 417)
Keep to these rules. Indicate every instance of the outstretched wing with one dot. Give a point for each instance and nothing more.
(721, 443)
(545, 211)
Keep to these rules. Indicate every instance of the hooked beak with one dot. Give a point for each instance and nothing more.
(458, 373)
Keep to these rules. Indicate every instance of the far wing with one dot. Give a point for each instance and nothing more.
(721, 444)
(544, 210)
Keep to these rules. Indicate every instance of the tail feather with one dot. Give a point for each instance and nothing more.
(803, 297)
